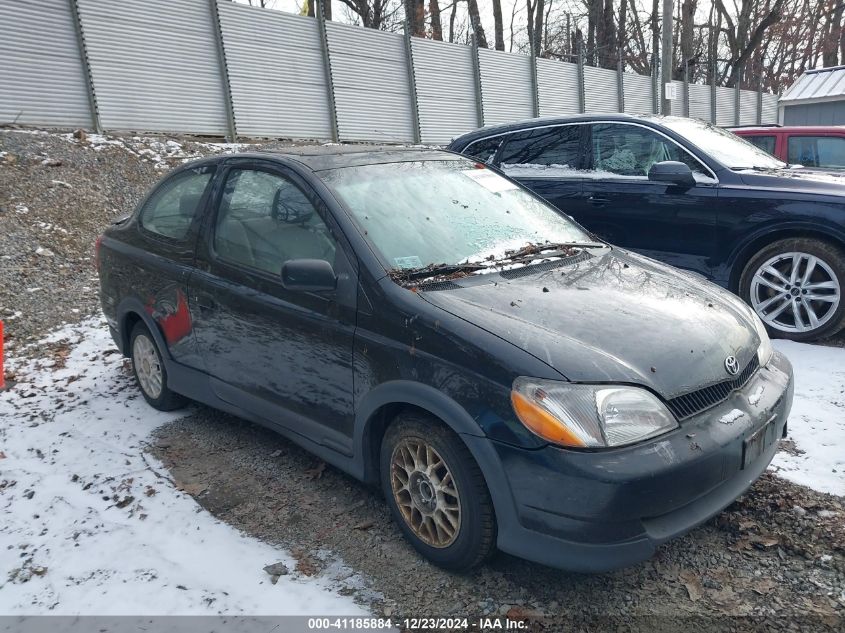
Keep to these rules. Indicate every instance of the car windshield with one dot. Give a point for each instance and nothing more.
(726, 147)
(423, 213)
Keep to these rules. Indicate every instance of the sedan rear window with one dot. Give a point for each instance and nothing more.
(446, 212)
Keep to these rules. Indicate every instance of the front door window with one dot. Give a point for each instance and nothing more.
(631, 150)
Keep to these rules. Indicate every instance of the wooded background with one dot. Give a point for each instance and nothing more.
(768, 42)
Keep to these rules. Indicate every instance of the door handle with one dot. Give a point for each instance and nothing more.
(598, 201)
(204, 303)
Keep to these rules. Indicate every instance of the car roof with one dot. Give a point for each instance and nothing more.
(502, 128)
(792, 129)
(333, 156)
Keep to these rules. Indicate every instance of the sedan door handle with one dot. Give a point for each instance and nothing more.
(598, 201)
(204, 302)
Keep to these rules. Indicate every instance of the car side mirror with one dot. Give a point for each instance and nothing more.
(308, 275)
(672, 172)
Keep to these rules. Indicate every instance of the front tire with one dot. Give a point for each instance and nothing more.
(795, 286)
(150, 372)
(436, 492)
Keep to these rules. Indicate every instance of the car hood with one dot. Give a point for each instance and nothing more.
(616, 317)
(796, 179)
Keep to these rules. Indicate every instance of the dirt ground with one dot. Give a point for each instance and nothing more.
(775, 560)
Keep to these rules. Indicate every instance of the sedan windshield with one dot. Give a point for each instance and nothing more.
(451, 212)
(726, 147)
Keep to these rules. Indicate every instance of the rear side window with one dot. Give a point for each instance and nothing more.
(817, 151)
(171, 209)
(484, 150)
(765, 143)
(544, 152)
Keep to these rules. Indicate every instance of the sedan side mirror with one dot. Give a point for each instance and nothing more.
(308, 275)
(672, 172)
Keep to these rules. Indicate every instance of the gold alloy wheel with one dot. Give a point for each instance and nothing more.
(425, 492)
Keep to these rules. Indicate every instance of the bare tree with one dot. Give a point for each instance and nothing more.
(436, 26)
(475, 21)
(498, 26)
(743, 40)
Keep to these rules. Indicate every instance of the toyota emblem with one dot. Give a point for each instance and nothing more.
(731, 365)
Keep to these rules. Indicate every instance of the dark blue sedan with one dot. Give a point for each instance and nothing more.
(694, 196)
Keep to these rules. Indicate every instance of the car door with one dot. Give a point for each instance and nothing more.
(163, 257)
(283, 355)
(672, 223)
(548, 161)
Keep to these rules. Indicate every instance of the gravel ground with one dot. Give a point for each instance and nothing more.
(57, 194)
(774, 560)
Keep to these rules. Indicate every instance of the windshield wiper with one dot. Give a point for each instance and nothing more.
(440, 271)
(561, 248)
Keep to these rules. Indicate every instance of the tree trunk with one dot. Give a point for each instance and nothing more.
(833, 35)
(436, 26)
(655, 33)
(475, 21)
(452, 17)
(498, 26)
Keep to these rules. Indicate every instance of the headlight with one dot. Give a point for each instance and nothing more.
(765, 351)
(589, 416)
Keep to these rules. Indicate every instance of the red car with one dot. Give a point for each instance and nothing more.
(822, 147)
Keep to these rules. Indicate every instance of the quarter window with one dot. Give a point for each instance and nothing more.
(265, 220)
(631, 150)
(817, 151)
(484, 150)
(765, 143)
(171, 209)
(543, 152)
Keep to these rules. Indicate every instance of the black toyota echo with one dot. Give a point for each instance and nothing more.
(421, 321)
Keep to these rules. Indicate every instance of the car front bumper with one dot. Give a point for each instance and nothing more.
(601, 510)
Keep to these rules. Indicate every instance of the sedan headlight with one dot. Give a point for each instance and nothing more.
(589, 416)
(765, 351)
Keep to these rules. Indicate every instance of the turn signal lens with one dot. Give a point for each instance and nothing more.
(543, 423)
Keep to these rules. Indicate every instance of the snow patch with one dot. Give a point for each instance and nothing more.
(731, 416)
(817, 421)
(91, 524)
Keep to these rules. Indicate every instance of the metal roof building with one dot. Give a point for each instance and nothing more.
(816, 98)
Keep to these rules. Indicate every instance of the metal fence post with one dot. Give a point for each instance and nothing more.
(535, 84)
(412, 84)
(655, 85)
(737, 97)
(620, 83)
(86, 67)
(476, 67)
(686, 88)
(224, 71)
(713, 117)
(582, 98)
(327, 65)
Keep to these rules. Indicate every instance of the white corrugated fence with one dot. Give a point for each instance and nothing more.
(219, 68)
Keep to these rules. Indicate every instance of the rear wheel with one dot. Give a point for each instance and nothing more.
(150, 372)
(795, 286)
(436, 492)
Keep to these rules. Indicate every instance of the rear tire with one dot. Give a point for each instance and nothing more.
(150, 372)
(436, 492)
(795, 286)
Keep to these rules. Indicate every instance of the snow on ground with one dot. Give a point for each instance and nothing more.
(817, 422)
(88, 527)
